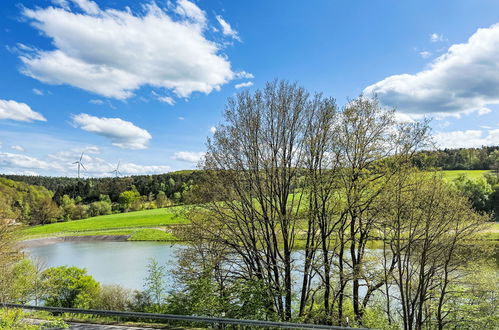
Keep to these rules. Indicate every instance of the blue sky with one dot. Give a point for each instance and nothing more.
(143, 83)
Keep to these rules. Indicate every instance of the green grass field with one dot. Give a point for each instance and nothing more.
(114, 224)
(475, 174)
(152, 225)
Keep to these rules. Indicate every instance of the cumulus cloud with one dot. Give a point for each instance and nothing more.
(188, 156)
(213, 129)
(114, 52)
(465, 79)
(190, 10)
(227, 29)
(467, 139)
(244, 84)
(18, 148)
(123, 134)
(13, 110)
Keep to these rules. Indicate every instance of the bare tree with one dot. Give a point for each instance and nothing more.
(372, 149)
(428, 228)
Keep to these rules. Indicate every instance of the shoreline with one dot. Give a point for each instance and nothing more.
(59, 239)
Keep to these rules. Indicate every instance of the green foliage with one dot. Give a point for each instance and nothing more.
(482, 158)
(478, 192)
(13, 319)
(90, 189)
(129, 200)
(154, 285)
(99, 208)
(69, 287)
(113, 297)
(474, 302)
(30, 204)
(25, 282)
(162, 200)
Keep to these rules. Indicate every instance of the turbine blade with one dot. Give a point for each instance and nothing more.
(83, 166)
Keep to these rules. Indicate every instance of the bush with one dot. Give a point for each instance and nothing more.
(114, 297)
(69, 287)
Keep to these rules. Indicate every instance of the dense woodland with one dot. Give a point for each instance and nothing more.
(484, 158)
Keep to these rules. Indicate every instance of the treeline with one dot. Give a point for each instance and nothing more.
(35, 200)
(173, 184)
(484, 158)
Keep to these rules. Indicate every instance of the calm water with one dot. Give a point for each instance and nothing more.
(123, 263)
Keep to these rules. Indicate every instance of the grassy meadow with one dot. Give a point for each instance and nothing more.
(140, 225)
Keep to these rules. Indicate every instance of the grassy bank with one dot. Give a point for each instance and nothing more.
(140, 225)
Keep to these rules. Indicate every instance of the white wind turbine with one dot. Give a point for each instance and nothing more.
(80, 164)
(116, 171)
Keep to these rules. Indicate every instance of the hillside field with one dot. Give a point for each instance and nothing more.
(141, 225)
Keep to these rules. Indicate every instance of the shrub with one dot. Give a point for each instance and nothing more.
(69, 287)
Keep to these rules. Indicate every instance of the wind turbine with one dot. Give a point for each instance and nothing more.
(80, 164)
(116, 171)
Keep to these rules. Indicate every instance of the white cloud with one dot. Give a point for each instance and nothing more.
(18, 148)
(114, 52)
(213, 129)
(445, 124)
(61, 3)
(188, 156)
(465, 79)
(244, 84)
(17, 161)
(190, 10)
(244, 75)
(165, 99)
(96, 101)
(13, 110)
(467, 139)
(227, 29)
(425, 54)
(123, 134)
(37, 91)
(181, 118)
(87, 6)
(435, 37)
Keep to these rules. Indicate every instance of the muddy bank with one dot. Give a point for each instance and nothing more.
(91, 238)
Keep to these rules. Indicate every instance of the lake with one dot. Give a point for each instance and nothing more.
(123, 263)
